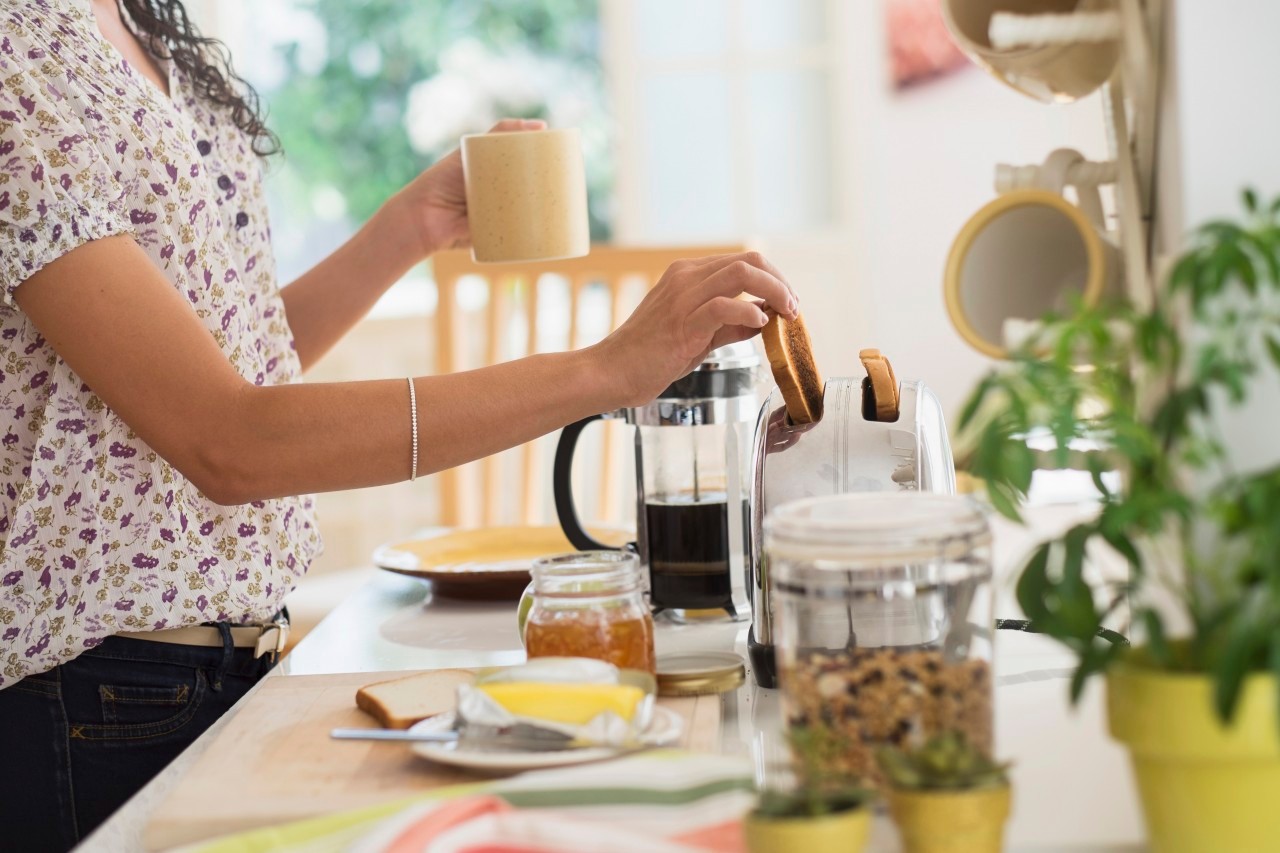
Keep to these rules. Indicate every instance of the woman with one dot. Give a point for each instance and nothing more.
(154, 437)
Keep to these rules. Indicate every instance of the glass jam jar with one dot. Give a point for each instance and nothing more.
(884, 624)
(591, 605)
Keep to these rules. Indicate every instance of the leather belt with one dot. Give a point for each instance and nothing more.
(263, 639)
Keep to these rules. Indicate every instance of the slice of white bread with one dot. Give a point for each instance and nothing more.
(400, 703)
(790, 353)
(884, 384)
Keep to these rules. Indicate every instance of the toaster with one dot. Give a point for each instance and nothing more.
(847, 450)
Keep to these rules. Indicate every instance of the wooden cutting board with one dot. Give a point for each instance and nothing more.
(274, 761)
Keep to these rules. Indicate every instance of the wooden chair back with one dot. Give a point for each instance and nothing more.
(489, 313)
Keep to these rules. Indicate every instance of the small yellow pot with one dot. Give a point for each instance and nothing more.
(1204, 786)
(843, 832)
(951, 821)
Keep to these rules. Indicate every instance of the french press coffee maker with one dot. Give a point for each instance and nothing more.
(693, 451)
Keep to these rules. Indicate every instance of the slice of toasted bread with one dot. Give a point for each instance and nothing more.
(401, 702)
(790, 353)
(884, 384)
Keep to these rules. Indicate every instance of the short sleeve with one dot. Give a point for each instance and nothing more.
(56, 190)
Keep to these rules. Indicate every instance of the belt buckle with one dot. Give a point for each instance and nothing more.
(272, 639)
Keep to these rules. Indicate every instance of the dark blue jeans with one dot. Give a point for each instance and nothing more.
(79, 740)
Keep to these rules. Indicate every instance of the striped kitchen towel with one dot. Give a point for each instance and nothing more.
(654, 802)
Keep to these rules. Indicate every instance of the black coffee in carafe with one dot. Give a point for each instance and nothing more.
(689, 548)
(693, 446)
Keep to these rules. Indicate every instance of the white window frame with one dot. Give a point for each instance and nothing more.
(625, 68)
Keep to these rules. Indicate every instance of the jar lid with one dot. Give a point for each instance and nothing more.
(699, 673)
(874, 529)
(586, 574)
(737, 356)
(725, 373)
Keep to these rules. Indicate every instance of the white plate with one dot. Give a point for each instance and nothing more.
(664, 730)
(490, 564)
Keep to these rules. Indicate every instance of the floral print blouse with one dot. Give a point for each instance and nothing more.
(98, 534)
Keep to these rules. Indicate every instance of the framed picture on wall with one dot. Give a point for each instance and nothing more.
(920, 49)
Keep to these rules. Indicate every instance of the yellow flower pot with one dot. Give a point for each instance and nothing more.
(1204, 786)
(951, 821)
(843, 832)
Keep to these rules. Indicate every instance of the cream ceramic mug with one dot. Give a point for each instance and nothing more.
(1027, 253)
(1079, 57)
(526, 195)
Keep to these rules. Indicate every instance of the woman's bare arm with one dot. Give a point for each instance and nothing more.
(427, 215)
(324, 303)
(124, 329)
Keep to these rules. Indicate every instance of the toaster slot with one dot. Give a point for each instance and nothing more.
(881, 394)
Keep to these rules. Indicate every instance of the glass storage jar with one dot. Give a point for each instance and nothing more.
(884, 624)
(591, 605)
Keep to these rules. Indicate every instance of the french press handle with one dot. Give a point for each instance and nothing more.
(562, 485)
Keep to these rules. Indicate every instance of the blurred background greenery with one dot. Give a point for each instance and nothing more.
(366, 95)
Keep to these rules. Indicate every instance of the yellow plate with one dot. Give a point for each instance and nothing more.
(487, 564)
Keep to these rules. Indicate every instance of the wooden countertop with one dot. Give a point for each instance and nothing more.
(1073, 790)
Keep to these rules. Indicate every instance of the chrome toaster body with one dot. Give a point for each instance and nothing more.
(843, 452)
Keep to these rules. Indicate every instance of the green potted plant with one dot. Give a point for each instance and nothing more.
(946, 796)
(822, 813)
(1140, 391)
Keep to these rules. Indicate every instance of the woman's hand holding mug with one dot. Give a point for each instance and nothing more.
(435, 202)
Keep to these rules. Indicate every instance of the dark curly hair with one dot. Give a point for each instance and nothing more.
(165, 24)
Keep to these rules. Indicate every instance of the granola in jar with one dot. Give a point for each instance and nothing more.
(884, 627)
(864, 698)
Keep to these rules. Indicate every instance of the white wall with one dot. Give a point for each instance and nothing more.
(907, 169)
(916, 164)
(1227, 126)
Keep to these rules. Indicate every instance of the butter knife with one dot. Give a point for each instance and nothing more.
(489, 744)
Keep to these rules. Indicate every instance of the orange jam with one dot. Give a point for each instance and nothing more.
(623, 637)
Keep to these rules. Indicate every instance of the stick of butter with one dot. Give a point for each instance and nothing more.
(568, 704)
